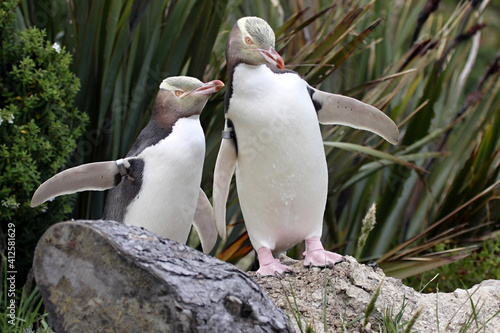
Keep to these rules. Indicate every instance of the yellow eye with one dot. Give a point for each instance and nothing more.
(178, 93)
(248, 40)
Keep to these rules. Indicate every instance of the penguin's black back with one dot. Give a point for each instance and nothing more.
(149, 136)
(122, 195)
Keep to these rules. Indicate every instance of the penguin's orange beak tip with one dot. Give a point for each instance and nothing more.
(209, 87)
(218, 84)
(273, 57)
(280, 63)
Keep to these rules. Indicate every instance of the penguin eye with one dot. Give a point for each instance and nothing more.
(248, 40)
(178, 93)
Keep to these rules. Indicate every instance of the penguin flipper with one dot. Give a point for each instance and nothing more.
(342, 110)
(223, 173)
(204, 223)
(97, 176)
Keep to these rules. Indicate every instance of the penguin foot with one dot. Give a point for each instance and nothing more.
(322, 258)
(269, 266)
(315, 254)
(273, 269)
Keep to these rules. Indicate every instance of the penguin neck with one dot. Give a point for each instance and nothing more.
(169, 119)
(231, 67)
(192, 117)
(250, 79)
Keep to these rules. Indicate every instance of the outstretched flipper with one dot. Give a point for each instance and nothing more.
(97, 176)
(342, 110)
(204, 223)
(224, 170)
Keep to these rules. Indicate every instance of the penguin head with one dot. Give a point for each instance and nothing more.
(251, 41)
(183, 96)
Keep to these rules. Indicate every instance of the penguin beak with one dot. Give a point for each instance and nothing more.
(272, 57)
(209, 88)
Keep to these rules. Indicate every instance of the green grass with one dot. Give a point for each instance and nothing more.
(29, 314)
(392, 321)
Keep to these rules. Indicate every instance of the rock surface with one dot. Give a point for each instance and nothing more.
(349, 287)
(104, 276)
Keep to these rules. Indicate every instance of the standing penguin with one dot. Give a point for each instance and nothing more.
(157, 185)
(273, 140)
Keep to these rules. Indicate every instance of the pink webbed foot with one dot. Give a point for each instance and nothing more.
(269, 266)
(315, 254)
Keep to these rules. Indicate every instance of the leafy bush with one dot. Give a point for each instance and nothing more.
(39, 126)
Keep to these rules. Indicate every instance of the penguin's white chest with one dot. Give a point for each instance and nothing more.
(171, 179)
(281, 170)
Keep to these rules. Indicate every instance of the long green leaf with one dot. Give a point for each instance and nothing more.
(374, 153)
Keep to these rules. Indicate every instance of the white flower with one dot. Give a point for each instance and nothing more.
(57, 47)
(8, 117)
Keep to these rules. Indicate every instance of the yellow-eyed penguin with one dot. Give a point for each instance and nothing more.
(157, 185)
(273, 140)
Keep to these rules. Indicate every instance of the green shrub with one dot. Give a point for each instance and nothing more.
(39, 126)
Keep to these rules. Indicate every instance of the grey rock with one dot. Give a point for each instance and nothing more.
(102, 276)
(334, 300)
